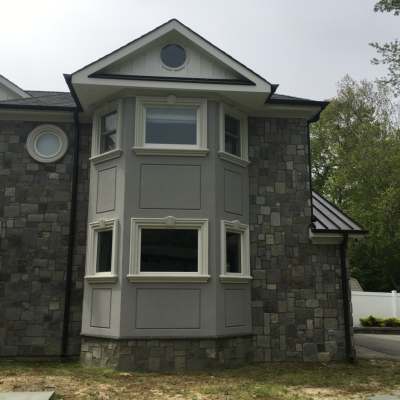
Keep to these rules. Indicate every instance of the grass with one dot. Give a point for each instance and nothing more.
(282, 381)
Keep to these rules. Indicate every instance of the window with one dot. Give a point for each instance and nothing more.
(233, 136)
(102, 251)
(235, 253)
(169, 249)
(173, 56)
(171, 126)
(106, 132)
(47, 143)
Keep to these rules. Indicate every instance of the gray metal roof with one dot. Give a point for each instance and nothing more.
(42, 100)
(328, 218)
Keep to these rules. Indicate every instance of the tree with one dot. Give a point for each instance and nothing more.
(356, 163)
(389, 52)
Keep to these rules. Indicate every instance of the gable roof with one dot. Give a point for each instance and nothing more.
(327, 218)
(12, 87)
(96, 66)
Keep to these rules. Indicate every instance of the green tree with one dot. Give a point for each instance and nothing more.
(389, 52)
(356, 163)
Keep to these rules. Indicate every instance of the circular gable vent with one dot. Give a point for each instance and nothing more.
(173, 56)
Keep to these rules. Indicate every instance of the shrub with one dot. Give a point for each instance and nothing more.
(380, 322)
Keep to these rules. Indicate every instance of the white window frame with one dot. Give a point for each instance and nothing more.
(142, 148)
(96, 157)
(137, 224)
(243, 229)
(94, 228)
(243, 160)
(33, 137)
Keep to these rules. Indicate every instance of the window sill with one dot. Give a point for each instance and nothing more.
(152, 151)
(101, 278)
(233, 159)
(169, 278)
(109, 155)
(235, 279)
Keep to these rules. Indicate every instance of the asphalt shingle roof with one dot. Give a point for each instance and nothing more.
(42, 99)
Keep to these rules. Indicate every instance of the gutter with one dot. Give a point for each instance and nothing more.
(71, 238)
(346, 300)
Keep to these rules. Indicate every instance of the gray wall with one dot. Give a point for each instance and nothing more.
(159, 186)
(34, 215)
(297, 297)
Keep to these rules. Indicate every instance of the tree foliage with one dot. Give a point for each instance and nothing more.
(389, 52)
(356, 163)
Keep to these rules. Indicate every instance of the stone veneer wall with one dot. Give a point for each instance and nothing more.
(35, 216)
(297, 305)
(166, 354)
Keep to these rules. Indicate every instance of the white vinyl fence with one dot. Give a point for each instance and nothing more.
(378, 304)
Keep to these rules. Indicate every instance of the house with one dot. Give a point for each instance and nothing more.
(160, 216)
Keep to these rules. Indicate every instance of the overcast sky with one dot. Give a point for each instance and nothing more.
(306, 46)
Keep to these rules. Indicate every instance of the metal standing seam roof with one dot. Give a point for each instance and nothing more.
(327, 218)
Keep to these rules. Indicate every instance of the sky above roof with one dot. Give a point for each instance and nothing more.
(306, 46)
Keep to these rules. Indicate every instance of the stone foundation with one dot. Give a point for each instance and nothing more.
(166, 354)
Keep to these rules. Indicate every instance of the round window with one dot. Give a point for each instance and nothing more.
(47, 143)
(173, 56)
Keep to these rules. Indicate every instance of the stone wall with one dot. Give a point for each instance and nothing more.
(35, 218)
(297, 304)
(166, 354)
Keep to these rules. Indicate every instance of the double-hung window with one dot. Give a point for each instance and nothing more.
(102, 251)
(171, 126)
(106, 138)
(233, 135)
(169, 249)
(235, 253)
(108, 132)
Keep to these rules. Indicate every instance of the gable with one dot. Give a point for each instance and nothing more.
(10, 91)
(147, 62)
(138, 66)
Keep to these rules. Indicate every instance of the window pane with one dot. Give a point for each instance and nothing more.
(171, 125)
(173, 55)
(108, 142)
(169, 250)
(232, 135)
(48, 144)
(104, 251)
(109, 122)
(233, 252)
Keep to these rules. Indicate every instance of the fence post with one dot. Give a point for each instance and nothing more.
(394, 303)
